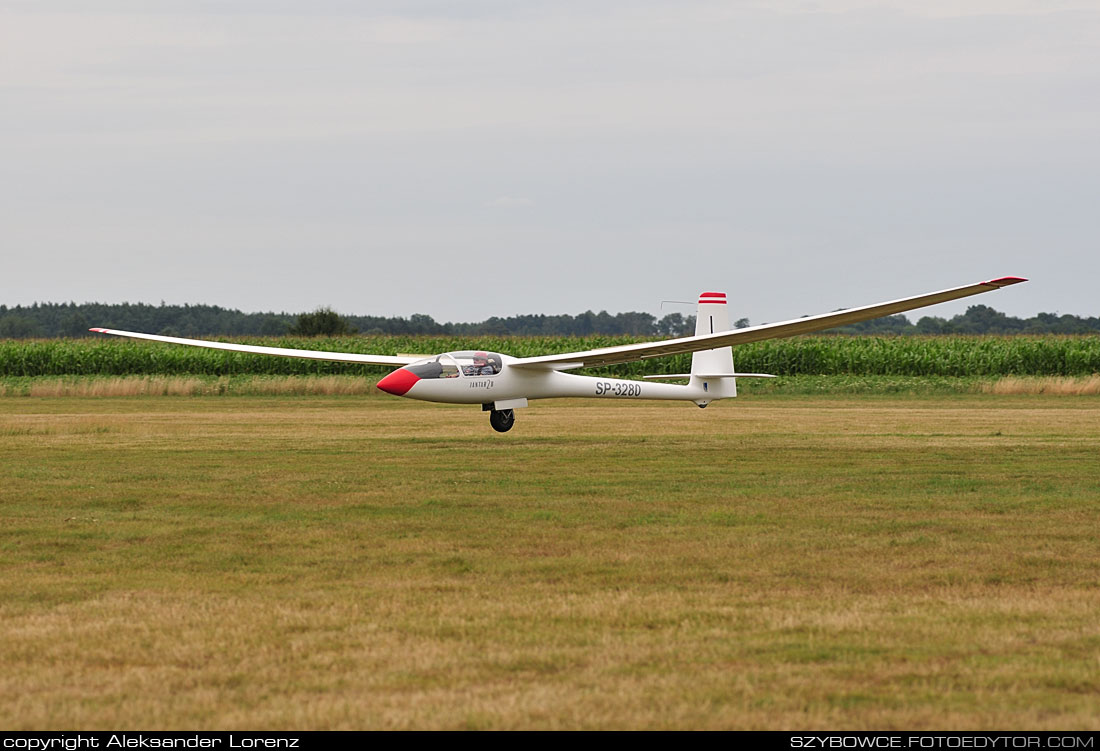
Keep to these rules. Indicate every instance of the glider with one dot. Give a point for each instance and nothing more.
(501, 384)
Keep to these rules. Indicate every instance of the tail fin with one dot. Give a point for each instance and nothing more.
(712, 317)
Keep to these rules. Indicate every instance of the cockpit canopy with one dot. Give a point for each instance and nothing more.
(458, 364)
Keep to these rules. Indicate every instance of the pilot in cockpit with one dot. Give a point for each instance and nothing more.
(481, 366)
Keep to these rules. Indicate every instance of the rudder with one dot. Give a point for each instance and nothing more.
(713, 317)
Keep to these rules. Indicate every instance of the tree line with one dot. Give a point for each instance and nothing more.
(50, 320)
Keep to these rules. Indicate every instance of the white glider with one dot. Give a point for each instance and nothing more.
(501, 383)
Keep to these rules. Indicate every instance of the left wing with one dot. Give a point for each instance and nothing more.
(809, 324)
(308, 354)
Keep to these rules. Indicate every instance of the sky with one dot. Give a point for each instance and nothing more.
(482, 158)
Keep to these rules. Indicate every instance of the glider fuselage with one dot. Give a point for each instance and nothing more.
(453, 378)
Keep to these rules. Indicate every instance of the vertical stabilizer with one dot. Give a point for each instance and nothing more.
(713, 316)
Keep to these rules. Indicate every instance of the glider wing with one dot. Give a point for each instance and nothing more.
(806, 325)
(307, 354)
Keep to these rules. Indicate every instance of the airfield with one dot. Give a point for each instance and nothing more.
(344, 562)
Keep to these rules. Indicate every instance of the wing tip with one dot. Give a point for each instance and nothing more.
(1004, 281)
(99, 331)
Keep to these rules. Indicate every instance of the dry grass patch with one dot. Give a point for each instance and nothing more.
(136, 385)
(122, 386)
(1058, 386)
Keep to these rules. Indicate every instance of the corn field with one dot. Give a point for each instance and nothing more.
(814, 355)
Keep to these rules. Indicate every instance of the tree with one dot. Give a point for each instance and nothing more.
(676, 324)
(321, 322)
(18, 327)
(271, 326)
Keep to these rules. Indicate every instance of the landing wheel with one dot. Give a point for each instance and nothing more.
(502, 420)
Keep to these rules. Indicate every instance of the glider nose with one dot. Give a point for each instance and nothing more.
(398, 382)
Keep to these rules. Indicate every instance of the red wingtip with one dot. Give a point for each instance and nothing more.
(1004, 281)
(99, 331)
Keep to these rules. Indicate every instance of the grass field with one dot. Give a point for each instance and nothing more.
(778, 561)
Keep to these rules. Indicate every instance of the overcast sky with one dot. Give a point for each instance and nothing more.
(469, 159)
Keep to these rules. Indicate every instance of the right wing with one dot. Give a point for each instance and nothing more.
(806, 325)
(308, 354)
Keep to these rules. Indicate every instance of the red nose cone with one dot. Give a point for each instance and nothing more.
(398, 382)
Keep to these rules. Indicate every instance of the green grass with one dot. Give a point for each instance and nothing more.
(332, 562)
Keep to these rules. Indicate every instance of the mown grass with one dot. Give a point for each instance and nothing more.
(333, 562)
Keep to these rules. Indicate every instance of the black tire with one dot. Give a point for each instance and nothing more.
(502, 420)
